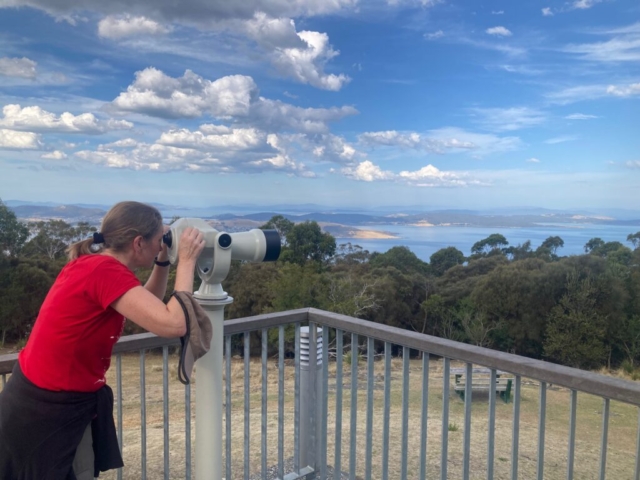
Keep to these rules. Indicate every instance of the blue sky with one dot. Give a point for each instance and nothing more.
(457, 104)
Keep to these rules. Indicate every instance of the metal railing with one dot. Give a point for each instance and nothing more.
(408, 430)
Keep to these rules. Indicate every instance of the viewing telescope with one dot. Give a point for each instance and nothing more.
(220, 248)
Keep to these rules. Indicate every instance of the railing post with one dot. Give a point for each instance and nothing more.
(310, 396)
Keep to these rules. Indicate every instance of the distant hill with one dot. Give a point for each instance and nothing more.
(64, 212)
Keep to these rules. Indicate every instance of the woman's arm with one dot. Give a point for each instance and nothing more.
(145, 309)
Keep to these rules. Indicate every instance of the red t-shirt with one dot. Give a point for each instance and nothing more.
(70, 346)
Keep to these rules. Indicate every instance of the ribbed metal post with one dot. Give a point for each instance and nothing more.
(263, 423)
(572, 434)
(354, 406)
(247, 404)
(541, 429)
(311, 393)
(143, 420)
(444, 455)
(515, 440)
(4, 379)
(337, 458)
(605, 433)
(165, 408)
(466, 449)
(387, 406)
(424, 415)
(119, 406)
(280, 402)
(491, 433)
(369, 428)
(324, 401)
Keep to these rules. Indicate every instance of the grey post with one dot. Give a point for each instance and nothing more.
(311, 395)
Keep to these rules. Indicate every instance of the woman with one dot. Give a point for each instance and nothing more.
(56, 403)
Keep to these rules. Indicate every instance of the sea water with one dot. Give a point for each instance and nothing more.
(424, 241)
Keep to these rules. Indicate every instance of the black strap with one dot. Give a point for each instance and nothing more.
(166, 263)
(184, 340)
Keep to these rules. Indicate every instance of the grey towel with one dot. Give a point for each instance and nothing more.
(197, 340)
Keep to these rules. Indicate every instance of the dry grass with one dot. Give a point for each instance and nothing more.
(622, 428)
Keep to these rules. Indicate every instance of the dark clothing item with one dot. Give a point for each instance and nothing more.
(40, 430)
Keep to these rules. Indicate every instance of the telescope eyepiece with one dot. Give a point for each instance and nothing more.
(167, 239)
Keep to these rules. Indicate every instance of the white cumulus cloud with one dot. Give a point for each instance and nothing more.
(499, 31)
(428, 176)
(55, 155)
(17, 67)
(367, 172)
(624, 90)
(35, 119)
(414, 140)
(546, 11)
(234, 97)
(434, 35)
(533, 160)
(10, 139)
(120, 26)
(584, 4)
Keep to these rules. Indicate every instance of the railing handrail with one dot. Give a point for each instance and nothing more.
(575, 379)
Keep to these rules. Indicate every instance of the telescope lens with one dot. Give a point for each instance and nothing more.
(224, 240)
(167, 238)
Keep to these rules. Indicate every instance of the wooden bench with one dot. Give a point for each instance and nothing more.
(481, 381)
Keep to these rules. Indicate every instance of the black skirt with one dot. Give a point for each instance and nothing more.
(41, 429)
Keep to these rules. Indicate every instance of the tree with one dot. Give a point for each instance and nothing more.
(307, 242)
(519, 252)
(282, 225)
(549, 247)
(492, 244)
(444, 259)
(634, 238)
(593, 244)
(51, 238)
(13, 233)
(575, 330)
(401, 258)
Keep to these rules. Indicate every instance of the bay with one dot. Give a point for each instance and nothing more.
(424, 241)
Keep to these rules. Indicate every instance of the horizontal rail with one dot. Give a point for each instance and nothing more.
(572, 378)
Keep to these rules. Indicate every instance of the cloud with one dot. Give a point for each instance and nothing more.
(507, 119)
(580, 116)
(577, 94)
(625, 90)
(10, 139)
(546, 12)
(565, 138)
(633, 164)
(197, 12)
(17, 67)
(497, 12)
(533, 160)
(434, 35)
(120, 26)
(428, 176)
(499, 31)
(414, 140)
(234, 97)
(584, 4)
(623, 46)
(35, 119)
(55, 155)
(298, 55)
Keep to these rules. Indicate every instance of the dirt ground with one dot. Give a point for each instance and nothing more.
(623, 425)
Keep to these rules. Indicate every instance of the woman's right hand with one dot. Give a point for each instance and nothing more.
(191, 245)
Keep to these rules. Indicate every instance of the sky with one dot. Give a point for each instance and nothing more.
(432, 103)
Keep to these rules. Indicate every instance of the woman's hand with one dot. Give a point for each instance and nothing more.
(191, 245)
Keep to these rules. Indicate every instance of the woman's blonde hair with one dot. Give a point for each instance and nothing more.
(122, 223)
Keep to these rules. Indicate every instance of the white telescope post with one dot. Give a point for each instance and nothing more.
(212, 268)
